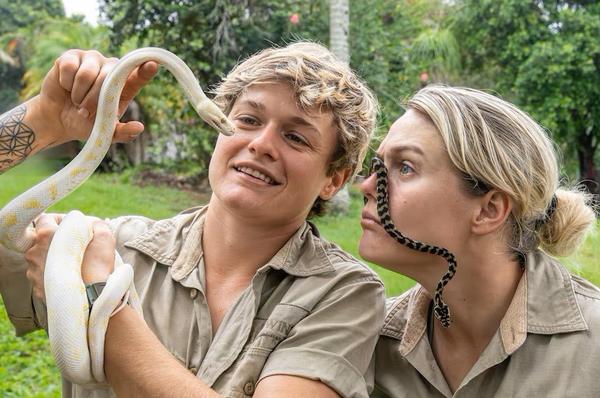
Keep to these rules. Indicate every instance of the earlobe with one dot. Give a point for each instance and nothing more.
(334, 183)
(493, 211)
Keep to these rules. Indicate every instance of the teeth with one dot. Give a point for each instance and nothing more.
(256, 174)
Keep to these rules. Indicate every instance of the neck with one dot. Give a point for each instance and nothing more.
(479, 300)
(478, 296)
(234, 246)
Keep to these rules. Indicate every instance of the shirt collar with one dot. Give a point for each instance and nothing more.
(544, 303)
(177, 243)
(551, 302)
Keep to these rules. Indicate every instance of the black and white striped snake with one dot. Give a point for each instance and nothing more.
(440, 309)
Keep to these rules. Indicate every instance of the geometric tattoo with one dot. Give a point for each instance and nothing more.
(16, 138)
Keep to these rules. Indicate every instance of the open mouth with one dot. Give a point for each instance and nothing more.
(256, 174)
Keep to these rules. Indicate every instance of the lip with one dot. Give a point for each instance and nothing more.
(258, 168)
(367, 219)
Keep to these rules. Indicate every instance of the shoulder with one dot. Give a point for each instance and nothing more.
(588, 299)
(397, 311)
(127, 228)
(321, 273)
(346, 264)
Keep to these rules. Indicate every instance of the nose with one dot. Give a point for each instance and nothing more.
(369, 187)
(264, 143)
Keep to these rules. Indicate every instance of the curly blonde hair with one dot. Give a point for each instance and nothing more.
(495, 144)
(319, 80)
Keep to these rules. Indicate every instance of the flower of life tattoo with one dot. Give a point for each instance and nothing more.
(16, 138)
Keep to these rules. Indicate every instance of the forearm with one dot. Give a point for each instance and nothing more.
(22, 134)
(137, 364)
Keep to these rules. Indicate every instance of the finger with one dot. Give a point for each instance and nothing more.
(102, 234)
(101, 248)
(90, 102)
(86, 75)
(35, 275)
(36, 257)
(67, 65)
(48, 220)
(136, 80)
(127, 132)
(45, 228)
(99, 257)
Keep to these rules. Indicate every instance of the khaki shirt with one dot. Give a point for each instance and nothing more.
(548, 343)
(311, 311)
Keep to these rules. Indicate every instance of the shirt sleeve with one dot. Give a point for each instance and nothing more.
(335, 342)
(24, 312)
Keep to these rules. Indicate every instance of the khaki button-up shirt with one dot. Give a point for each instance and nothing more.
(311, 311)
(548, 343)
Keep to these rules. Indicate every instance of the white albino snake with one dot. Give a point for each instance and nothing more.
(76, 341)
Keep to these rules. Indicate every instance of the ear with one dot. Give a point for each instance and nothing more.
(333, 184)
(492, 212)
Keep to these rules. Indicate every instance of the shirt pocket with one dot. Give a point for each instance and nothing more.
(267, 333)
(264, 337)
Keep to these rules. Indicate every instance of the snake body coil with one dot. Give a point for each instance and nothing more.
(77, 341)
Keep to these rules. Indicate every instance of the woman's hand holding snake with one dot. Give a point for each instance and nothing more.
(68, 100)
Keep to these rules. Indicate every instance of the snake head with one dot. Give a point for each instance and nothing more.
(212, 115)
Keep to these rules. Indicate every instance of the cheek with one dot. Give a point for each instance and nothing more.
(436, 217)
(415, 211)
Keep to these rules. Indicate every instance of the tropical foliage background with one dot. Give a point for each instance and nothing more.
(543, 55)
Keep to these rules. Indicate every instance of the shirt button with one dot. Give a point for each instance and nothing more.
(193, 293)
(249, 388)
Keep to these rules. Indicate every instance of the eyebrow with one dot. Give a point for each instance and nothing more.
(296, 119)
(303, 122)
(405, 148)
(254, 104)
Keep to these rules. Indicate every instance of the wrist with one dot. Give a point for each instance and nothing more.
(95, 276)
(35, 118)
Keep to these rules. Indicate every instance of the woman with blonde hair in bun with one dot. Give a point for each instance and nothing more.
(465, 187)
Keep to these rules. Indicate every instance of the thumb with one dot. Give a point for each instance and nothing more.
(99, 258)
(126, 132)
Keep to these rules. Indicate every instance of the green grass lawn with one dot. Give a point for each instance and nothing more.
(27, 368)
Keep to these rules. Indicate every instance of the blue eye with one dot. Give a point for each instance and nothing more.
(405, 169)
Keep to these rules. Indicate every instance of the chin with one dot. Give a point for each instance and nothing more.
(369, 248)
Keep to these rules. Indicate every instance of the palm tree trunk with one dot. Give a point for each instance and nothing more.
(339, 26)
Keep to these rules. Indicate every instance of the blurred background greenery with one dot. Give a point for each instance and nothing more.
(542, 55)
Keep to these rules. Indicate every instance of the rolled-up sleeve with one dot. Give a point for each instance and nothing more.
(335, 342)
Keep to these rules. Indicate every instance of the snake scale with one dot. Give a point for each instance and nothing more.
(440, 309)
(77, 336)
